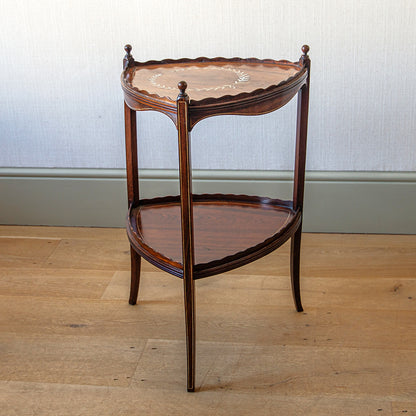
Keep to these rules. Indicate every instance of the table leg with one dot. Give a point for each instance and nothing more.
(135, 276)
(295, 267)
(132, 191)
(185, 177)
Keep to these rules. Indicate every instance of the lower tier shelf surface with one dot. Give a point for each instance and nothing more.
(228, 230)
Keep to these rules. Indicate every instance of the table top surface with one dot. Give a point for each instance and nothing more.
(213, 78)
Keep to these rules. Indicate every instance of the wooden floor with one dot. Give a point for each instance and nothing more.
(70, 344)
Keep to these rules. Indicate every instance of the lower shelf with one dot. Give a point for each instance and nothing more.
(229, 231)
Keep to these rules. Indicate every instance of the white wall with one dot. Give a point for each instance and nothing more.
(61, 102)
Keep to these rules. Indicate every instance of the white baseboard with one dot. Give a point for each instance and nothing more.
(345, 202)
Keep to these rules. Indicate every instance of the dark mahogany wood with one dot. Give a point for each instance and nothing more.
(131, 156)
(295, 267)
(132, 189)
(135, 261)
(185, 182)
(196, 236)
(128, 60)
(230, 230)
(301, 134)
(255, 87)
(299, 179)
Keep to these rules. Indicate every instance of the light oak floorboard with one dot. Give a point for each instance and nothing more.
(71, 345)
(372, 293)
(75, 233)
(54, 283)
(63, 400)
(26, 252)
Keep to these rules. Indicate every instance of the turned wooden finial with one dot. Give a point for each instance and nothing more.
(182, 85)
(305, 57)
(128, 60)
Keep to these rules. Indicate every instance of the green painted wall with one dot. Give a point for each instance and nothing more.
(345, 202)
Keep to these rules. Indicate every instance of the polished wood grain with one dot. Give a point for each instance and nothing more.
(135, 266)
(187, 229)
(220, 229)
(299, 178)
(301, 135)
(133, 193)
(196, 236)
(70, 343)
(210, 79)
(131, 156)
(216, 85)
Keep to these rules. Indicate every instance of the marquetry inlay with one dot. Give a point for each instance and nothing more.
(209, 80)
(231, 78)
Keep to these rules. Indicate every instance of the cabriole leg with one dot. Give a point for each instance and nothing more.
(295, 267)
(135, 276)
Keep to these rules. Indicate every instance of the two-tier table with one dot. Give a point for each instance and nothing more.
(194, 236)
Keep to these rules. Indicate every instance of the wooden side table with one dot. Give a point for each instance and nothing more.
(195, 236)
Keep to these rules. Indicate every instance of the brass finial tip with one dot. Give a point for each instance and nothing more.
(305, 49)
(128, 49)
(182, 85)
